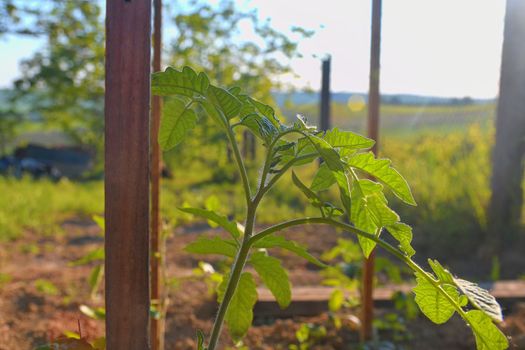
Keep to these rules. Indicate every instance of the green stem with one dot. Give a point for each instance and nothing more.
(235, 276)
(240, 165)
(392, 250)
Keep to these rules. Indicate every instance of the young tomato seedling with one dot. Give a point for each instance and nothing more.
(344, 155)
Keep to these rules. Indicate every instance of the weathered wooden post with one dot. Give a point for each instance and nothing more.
(324, 113)
(504, 214)
(373, 133)
(127, 103)
(157, 243)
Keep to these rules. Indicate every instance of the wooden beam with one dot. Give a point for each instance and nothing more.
(127, 103)
(373, 133)
(157, 246)
(505, 209)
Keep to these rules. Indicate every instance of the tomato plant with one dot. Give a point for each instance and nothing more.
(345, 158)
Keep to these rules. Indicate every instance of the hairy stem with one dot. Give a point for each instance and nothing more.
(240, 165)
(235, 276)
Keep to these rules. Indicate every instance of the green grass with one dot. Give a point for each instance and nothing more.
(43, 205)
(433, 147)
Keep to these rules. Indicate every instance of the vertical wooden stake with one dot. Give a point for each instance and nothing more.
(324, 113)
(373, 133)
(508, 154)
(157, 250)
(127, 103)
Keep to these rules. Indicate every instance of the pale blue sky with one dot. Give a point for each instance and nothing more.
(429, 47)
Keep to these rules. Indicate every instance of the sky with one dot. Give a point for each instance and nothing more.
(449, 48)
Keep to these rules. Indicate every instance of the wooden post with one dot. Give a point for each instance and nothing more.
(324, 113)
(157, 243)
(504, 214)
(373, 133)
(127, 103)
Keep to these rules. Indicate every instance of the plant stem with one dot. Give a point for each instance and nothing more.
(240, 165)
(392, 250)
(235, 276)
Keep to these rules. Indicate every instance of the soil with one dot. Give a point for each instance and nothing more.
(31, 315)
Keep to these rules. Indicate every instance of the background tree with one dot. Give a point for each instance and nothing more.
(208, 38)
(66, 77)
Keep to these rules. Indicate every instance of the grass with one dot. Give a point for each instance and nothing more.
(432, 146)
(42, 205)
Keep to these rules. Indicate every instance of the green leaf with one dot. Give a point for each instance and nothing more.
(222, 221)
(95, 278)
(488, 336)
(403, 234)
(323, 179)
(200, 340)
(432, 303)
(98, 313)
(266, 111)
(172, 82)
(346, 139)
(261, 126)
(480, 298)
(94, 255)
(336, 166)
(239, 316)
(228, 104)
(274, 277)
(336, 300)
(177, 119)
(312, 196)
(213, 245)
(273, 241)
(370, 212)
(381, 170)
(443, 275)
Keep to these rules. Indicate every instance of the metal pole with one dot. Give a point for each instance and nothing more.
(324, 115)
(373, 133)
(157, 250)
(127, 103)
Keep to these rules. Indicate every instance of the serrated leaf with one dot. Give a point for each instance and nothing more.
(432, 303)
(336, 166)
(213, 245)
(347, 139)
(260, 126)
(265, 110)
(323, 179)
(222, 221)
(488, 336)
(403, 234)
(370, 212)
(273, 241)
(480, 298)
(228, 104)
(274, 277)
(172, 82)
(239, 316)
(381, 170)
(177, 119)
(442, 274)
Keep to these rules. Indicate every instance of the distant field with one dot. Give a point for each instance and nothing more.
(404, 120)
